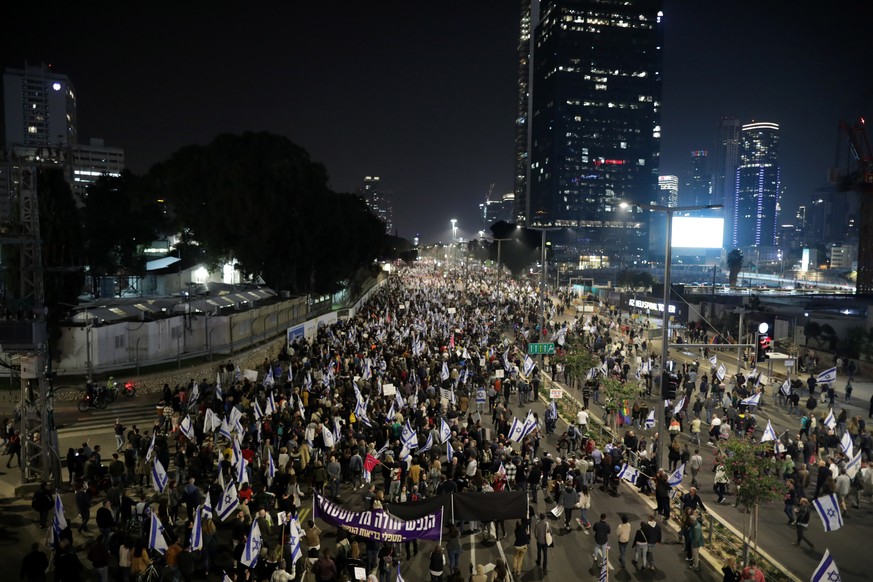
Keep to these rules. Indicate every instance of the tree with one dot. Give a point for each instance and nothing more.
(735, 265)
(577, 360)
(829, 336)
(617, 394)
(812, 330)
(259, 199)
(757, 477)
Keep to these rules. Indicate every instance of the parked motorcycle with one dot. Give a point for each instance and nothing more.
(97, 399)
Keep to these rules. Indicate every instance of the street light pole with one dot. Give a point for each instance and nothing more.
(661, 453)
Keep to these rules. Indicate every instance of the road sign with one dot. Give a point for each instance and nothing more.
(556, 393)
(535, 349)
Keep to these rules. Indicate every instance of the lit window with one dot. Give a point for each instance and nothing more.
(31, 129)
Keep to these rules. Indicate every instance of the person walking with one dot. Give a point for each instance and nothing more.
(801, 522)
(601, 539)
(622, 532)
(695, 463)
(42, 503)
(641, 547)
(453, 548)
(522, 539)
(13, 448)
(118, 429)
(543, 535)
(437, 564)
(569, 497)
(653, 534)
(83, 504)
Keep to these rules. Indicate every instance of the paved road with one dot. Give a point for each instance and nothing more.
(774, 536)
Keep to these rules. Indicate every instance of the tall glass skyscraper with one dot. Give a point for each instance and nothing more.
(724, 172)
(755, 220)
(595, 124)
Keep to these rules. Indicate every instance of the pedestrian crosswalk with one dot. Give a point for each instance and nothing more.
(139, 412)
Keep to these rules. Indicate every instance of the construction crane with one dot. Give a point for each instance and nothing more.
(860, 179)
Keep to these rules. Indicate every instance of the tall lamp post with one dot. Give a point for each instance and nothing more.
(661, 453)
(543, 230)
(454, 222)
(499, 242)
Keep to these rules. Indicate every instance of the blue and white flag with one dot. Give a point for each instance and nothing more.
(650, 419)
(159, 476)
(830, 420)
(676, 477)
(210, 421)
(507, 364)
(295, 534)
(409, 439)
(228, 503)
(678, 408)
(516, 431)
(399, 400)
(552, 410)
(399, 577)
(259, 414)
(854, 465)
(197, 532)
(327, 437)
(449, 451)
(187, 429)
(828, 376)
(391, 413)
(253, 546)
(206, 508)
(530, 423)
(427, 444)
(224, 429)
(150, 452)
(307, 381)
(721, 372)
(752, 400)
(826, 570)
(529, 365)
(366, 373)
(59, 521)
(268, 379)
(218, 386)
(271, 407)
(714, 360)
(445, 431)
(828, 509)
(846, 445)
(628, 473)
(271, 467)
(769, 433)
(157, 541)
(786, 387)
(444, 373)
(240, 471)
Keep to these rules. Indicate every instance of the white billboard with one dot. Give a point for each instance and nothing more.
(692, 232)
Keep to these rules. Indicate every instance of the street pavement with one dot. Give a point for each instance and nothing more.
(774, 535)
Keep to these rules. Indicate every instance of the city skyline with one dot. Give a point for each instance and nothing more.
(428, 101)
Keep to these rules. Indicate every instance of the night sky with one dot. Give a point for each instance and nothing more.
(424, 94)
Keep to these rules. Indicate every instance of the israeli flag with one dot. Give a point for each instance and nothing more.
(159, 476)
(678, 408)
(224, 429)
(151, 450)
(268, 379)
(197, 532)
(337, 429)
(507, 365)
(206, 508)
(59, 521)
(235, 453)
(827, 570)
(830, 420)
(271, 467)
(530, 423)
(271, 407)
(529, 365)
(327, 436)
(854, 465)
(676, 477)
(752, 400)
(399, 400)
(650, 419)
(828, 376)
(846, 444)
(445, 431)
(552, 409)
(307, 381)
(295, 534)
(427, 444)
(592, 373)
(240, 471)
(157, 541)
(603, 369)
(516, 431)
(450, 452)
(628, 473)
(713, 360)
(769, 433)
(444, 373)
(187, 429)
(259, 414)
(391, 413)
(721, 372)
(228, 503)
(786, 388)
(218, 386)
(253, 546)
(828, 509)
(210, 421)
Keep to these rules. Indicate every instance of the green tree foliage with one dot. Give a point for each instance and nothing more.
(120, 214)
(577, 360)
(735, 265)
(261, 200)
(615, 394)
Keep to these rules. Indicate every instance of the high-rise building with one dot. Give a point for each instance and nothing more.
(832, 215)
(724, 171)
(755, 217)
(40, 113)
(497, 209)
(377, 201)
(92, 161)
(595, 123)
(697, 187)
(522, 127)
(669, 188)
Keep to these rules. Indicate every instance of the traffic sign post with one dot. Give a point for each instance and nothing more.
(541, 348)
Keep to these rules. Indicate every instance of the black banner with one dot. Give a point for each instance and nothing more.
(470, 506)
